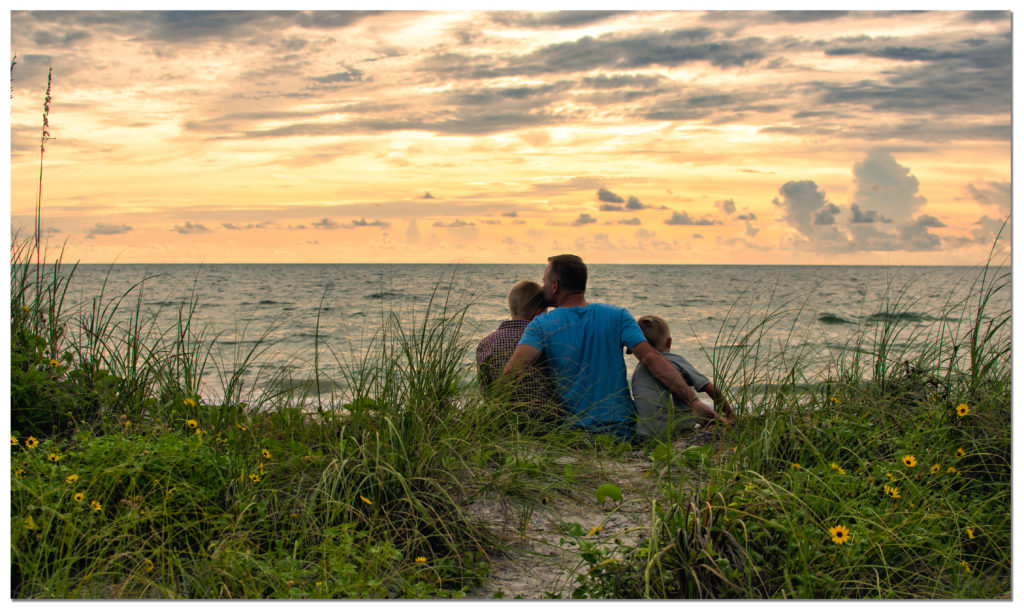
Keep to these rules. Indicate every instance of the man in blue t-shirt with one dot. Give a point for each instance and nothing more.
(583, 343)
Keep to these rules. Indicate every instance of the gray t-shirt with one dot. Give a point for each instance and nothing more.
(654, 402)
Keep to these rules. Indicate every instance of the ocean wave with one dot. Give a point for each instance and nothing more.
(385, 295)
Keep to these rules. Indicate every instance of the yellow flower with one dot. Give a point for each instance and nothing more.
(25, 308)
(421, 560)
(14, 441)
(96, 506)
(970, 533)
(795, 466)
(149, 565)
(892, 491)
(966, 567)
(834, 466)
(319, 584)
(53, 457)
(54, 363)
(890, 476)
(189, 402)
(78, 497)
(29, 523)
(833, 399)
(365, 499)
(240, 427)
(960, 453)
(31, 442)
(935, 468)
(594, 530)
(255, 478)
(910, 461)
(544, 500)
(191, 423)
(266, 453)
(951, 470)
(19, 473)
(962, 409)
(71, 479)
(841, 471)
(839, 534)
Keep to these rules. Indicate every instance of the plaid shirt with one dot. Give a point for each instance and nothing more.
(534, 389)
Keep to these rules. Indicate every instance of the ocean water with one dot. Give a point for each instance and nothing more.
(288, 311)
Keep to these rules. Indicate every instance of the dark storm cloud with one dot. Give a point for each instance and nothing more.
(726, 205)
(610, 207)
(549, 20)
(684, 219)
(630, 221)
(748, 216)
(604, 194)
(107, 229)
(189, 229)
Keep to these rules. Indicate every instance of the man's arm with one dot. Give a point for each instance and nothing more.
(521, 357)
(662, 370)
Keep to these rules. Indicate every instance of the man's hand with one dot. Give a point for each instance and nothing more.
(702, 411)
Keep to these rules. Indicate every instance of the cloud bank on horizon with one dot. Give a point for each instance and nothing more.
(627, 136)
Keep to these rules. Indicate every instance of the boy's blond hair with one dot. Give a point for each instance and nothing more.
(655, 330)
(524, 298)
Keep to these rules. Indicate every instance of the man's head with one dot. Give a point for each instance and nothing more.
(525, 300)
(656, 332)
(565, 274)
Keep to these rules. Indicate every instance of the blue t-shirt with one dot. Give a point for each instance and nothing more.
(583, 347)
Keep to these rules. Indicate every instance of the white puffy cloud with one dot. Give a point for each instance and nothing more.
(885, 187)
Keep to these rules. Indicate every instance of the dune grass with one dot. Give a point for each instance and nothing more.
(886, 475)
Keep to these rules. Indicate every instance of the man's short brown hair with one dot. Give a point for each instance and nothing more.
(570, 271)
(655, 330)
(524, 298)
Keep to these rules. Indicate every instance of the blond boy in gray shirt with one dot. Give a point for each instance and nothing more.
(656, 415)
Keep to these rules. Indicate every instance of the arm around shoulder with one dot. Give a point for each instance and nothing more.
(521, 357)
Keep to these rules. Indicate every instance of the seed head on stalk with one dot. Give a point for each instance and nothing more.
(42, 149)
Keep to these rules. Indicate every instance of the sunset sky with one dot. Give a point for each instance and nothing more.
(459, 136)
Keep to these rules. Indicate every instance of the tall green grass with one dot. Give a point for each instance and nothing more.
(886, 474)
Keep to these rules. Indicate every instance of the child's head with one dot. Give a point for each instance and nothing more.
(525, 300)
(655, 331)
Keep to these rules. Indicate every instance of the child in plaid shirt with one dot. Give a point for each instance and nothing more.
(531, 392)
